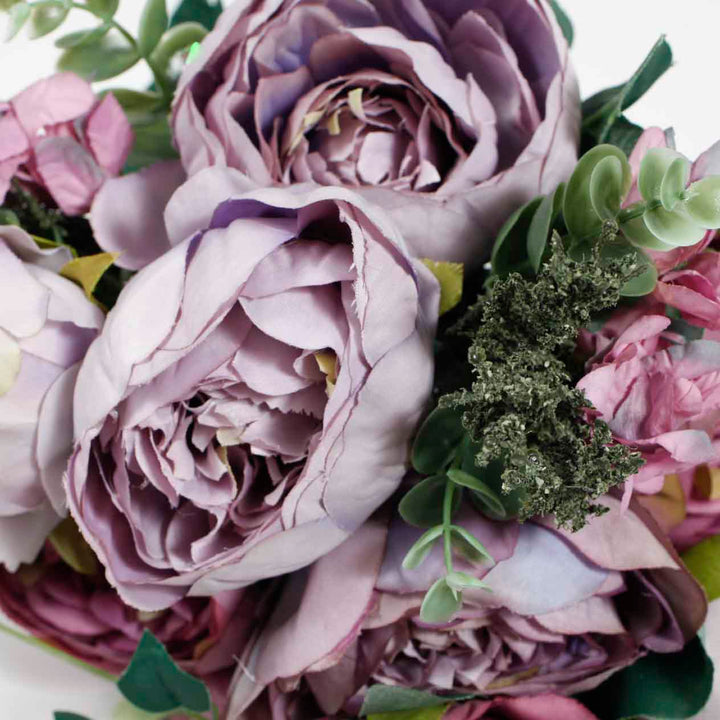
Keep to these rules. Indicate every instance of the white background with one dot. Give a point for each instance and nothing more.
(612, 38)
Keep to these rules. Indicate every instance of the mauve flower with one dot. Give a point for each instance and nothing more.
(449, 114)
(57, 138)
(566, 611)
(46, 325)
(658, 394)
(539, 707)
(80, 614)
(251, 399)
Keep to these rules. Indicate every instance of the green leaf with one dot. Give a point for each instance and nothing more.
(440, 603)
(153, 23)
(176, 39)
(484, 492)
(8, 217)
(541, 224)
(460, 581)
(432, 713)
(205, 12)
(437, 440)
(154, 683)
(71, 546)
(125, 710)
(703, 203)
(563, 21)
(655, 164)
(63, 715)
(450, 277)
(602, 111)
(703, 561)
(105, 58)
(665, 686)
(46, 18)
(580, 216)
(608, 187)
(103, 8)
(421, 548)
(675, 228)
(644, 283)
(82, 37)
(86, 271)
(17, 17)
(422, 505)
(674, 183)
(510, 250)
(389, 698)
(153, 142)
(469, 546)
(624, 134)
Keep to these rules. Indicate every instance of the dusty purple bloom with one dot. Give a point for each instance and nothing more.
(46, 325)
(251, 399)
(450, 114)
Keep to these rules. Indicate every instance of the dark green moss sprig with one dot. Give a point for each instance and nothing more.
(523, 408)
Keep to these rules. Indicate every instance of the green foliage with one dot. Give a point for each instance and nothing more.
(390, 699)
(603, 111)
(661, 686)
(62, 715)
(437, 441)
(523, 407)
(205, 12)
(431, 713)
(46, 18)
(703, 561)
(18, 15)
(110, 55)
(563, 21)
(153, 23)
(154, 683)
(510, 252)
(440, 603)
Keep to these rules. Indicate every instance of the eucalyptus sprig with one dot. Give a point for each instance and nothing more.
(108, 48)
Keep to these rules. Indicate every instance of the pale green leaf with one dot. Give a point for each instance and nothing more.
(82, 37)
(153, 23)
(421, 548)
(450, 277)
(72, 547)
(468, 545)
(17, 17)
(87, 271)
(703, 561)
(608, 187)
(487, 494)
(674, 183)
(105, 58)
(440, 603)
(46, 18)
(675, 228)
(703, 203)
(654, 165)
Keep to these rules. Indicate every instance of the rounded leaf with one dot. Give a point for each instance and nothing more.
(654, 165)
(103, 8)
(82, 37)
(703, 203)
(421, 548)
(674, 183)
(105, 58)
(422, 505)
(676, 228)
(46, 18)
(17, 17)
(437, 441)
(580, 216)
(644, 283)
(607, 187)
(440, 603)
(636, 231)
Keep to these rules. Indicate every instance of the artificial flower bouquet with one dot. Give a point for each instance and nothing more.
(356, 368)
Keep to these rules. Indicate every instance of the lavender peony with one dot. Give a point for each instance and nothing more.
(448, 114)
(46, 325)
(566, 611)
(252, 397)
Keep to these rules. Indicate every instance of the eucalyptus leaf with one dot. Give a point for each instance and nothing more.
(437, 440)
(421, 548)
(392, 698)
(484, 492)
(675, 228)
(644, 283)
(541, 224)
(608, 188)
(154, 683)
(674, 183)
(440, 603)
(638, 233)
(510, 250)
(46, 18)
(18, 15)
(422, 505)
(703, 203)
(153, 23)
(103, 8)
(663, 686)
(468, 545)
(653, 168)
(82, 37)
(105, 58)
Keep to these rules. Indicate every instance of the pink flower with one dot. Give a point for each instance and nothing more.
(80, 614)
(660, 395)
(57, 138)
(566, 610)
(448, 115)
(540, 707)
(252, 397)
(46, 325)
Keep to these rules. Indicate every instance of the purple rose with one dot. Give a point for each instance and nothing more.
(58, 138)
(46, 325)
(79, 613)
(566, 611)
(448, 114)
(539, 707)
(252, 397)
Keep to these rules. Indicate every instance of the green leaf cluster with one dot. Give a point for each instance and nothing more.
(523, 409)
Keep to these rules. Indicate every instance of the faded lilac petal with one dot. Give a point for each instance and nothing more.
(507, 642)
(139, 235)
(56, 137)
(448, 116)
(48, 323)
(248, 400)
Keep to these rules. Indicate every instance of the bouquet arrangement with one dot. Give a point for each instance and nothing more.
(356, 368)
